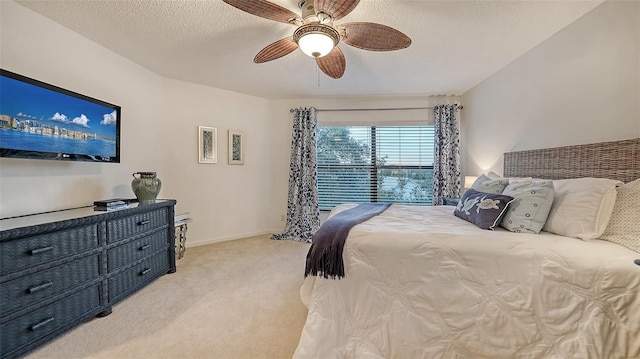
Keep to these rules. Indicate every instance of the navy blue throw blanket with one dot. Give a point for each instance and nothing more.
(325, 255)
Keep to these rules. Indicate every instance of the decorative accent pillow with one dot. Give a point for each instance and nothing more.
(485, 210)
(624, 225)
(528, 212)
(488, 185)
(581, 207)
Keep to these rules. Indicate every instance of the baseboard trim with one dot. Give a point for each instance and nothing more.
(204, 242)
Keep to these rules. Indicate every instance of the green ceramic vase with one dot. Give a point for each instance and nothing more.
(146, 186)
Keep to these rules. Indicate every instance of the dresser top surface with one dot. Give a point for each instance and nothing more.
(87, 212)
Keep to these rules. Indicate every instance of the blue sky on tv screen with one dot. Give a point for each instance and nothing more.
(25, 101)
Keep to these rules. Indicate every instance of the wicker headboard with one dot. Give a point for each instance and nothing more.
(618, 160)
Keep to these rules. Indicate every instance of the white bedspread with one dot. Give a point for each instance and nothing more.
(422, 283)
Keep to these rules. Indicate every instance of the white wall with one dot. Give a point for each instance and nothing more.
(37, 47)
(226, 201)
(580, 86)
(159, 133)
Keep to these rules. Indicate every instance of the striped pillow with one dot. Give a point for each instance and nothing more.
(624, 225)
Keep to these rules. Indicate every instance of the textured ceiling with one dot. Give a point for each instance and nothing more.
(455, 44)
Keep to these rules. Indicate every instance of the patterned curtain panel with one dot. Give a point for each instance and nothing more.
(303, 215)
(446, 163)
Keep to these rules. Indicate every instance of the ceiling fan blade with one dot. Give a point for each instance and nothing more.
(263, 8)
(276, 50)
(336, 8)
(333, 64)
(374, 37)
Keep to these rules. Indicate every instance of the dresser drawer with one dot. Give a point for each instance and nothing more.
(36, 325)
(133, 278)
(124, 228)
(28, 252)
(34, 288)
(133, 251)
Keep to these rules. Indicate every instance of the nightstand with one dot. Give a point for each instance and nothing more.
(450, 201)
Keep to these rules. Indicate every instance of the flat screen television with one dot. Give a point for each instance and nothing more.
(43, 121)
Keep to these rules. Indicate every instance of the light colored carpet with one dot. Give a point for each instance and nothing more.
(237, 299)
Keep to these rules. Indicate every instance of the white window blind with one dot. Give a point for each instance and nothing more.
(375, 164)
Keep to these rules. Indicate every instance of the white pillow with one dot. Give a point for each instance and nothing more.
(624, 226)
(487, 185)
(492, 175)
(530, 208)
(581, 207)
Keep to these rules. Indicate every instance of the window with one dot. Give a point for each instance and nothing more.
(375, 164)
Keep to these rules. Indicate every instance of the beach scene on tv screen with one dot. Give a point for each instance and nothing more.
(34, 118)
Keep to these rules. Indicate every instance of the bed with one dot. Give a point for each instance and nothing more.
(422, 283)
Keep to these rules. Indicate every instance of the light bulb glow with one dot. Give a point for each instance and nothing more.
(316, 44)
(316, 40)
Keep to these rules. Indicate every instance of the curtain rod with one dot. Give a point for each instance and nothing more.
(374, 109)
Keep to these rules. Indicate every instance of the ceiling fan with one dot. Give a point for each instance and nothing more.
(318, 37)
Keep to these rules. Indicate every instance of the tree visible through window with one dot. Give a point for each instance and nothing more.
(375, 164)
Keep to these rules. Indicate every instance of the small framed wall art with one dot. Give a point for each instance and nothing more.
(236, 147)
(207, 144)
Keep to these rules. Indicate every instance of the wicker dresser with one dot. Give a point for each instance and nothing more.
(58, 269)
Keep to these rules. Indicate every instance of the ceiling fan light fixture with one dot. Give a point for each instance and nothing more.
(316, 35)
(316, 40)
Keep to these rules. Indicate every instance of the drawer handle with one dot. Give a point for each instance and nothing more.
(142, 248)
(143, 222)
(145, 271)
(40, 250)
(41, 324)
(39, 287)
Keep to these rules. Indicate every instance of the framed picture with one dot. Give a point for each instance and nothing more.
(207, 144)
(236, 147)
